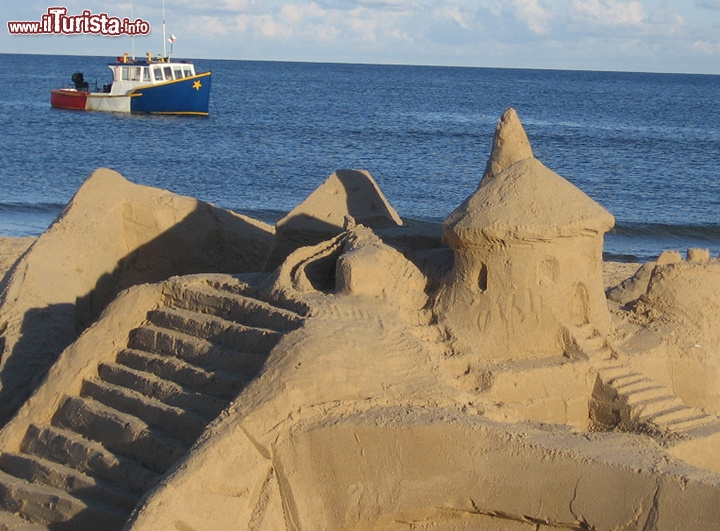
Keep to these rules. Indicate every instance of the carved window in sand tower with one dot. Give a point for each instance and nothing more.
(483, 278)
(580, 305)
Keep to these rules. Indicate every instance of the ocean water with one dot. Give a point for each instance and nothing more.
(645, 146)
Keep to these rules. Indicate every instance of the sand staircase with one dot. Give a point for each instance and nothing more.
(626, 399)
(636, 401)
(103, 449)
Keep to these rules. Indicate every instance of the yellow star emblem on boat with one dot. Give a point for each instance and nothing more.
(197, 85)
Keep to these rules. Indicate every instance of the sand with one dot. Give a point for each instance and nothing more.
(380, 377)
(10, 251)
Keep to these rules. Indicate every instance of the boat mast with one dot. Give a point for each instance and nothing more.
(164, 39)
(132, 38)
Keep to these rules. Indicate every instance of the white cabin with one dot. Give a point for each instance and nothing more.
(129, 74)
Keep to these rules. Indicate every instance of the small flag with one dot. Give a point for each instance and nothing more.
(172, 38)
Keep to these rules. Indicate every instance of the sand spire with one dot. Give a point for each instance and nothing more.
(510, 145)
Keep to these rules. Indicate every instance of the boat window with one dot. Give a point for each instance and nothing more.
(135, 73)
(158, 73)
(188, 72)
(178, 73)
(146, 74)
(125, 73)
(168, 72)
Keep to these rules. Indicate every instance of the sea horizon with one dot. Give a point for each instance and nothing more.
(391, 64)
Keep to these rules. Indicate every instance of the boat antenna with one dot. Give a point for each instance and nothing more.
(164, 38)
(132, 38)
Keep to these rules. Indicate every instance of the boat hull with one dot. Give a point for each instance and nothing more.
(68, 99)
(190, 95)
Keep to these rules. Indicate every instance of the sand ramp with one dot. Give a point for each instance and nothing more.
(139, 414)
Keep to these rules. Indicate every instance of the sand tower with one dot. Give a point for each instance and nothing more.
(528, 256)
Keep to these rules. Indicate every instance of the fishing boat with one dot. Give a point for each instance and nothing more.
(157, 85)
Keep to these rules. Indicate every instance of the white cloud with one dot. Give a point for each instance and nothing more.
(610, 12)
(323, 32)
(454, 13)
(707, 48)
(216, 26)
(363, 23)
(210, 6)
(298, 14)
(399, 35)
(314, 22)
(713, 5)
(532, 14)
(393, 5)
(267, 26)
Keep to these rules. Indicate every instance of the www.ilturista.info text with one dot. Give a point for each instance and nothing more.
(57, 22)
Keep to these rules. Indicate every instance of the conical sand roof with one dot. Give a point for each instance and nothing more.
(510, 144)
(520, 199)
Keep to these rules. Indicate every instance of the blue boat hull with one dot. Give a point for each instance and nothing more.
(190, 95)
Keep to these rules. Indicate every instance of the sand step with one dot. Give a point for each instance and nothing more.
(120, 432)
(240, 288)
(218, 383)
(181, 424)
(649, 410)
(238, 308)
(160, 389)
(673, 416)
(698, 420)
(633, 384)
(612, 370)
(11, 522)
(199, 352)
(53, 507)
(646, 394)
(216, 330)
(37, 470)
(630, 381)
(70, 449)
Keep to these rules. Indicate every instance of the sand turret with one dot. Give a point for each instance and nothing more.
(528, 255)
(510, 145)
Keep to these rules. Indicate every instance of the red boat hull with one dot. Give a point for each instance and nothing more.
(68, 99)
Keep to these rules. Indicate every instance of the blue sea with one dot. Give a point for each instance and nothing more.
(645, 146)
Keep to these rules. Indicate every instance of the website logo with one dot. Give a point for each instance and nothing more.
(57, 22)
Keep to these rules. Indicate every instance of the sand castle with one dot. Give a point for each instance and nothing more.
(362, 374)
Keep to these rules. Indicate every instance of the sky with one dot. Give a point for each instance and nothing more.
(680, 36)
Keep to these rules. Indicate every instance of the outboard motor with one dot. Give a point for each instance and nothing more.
(80, 83)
